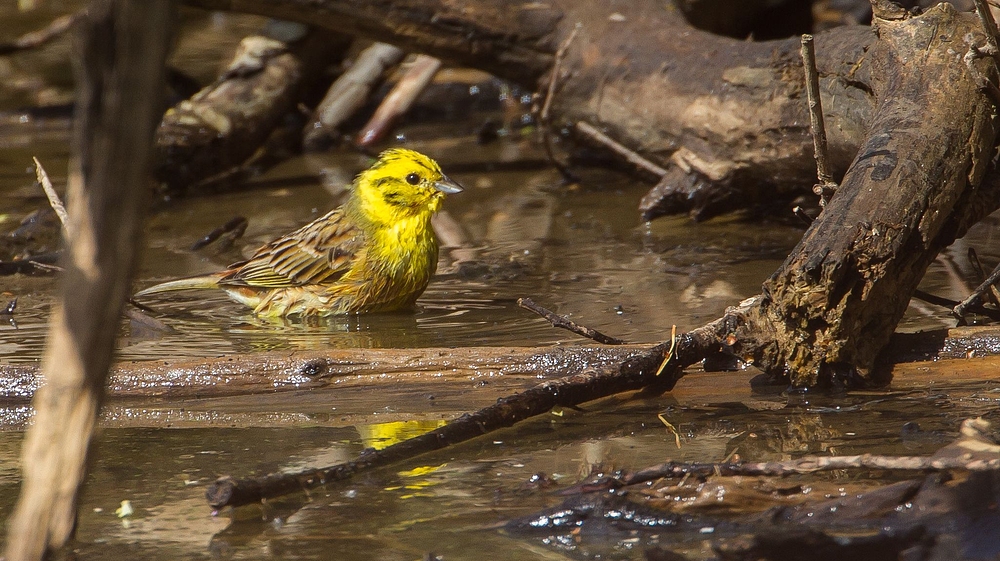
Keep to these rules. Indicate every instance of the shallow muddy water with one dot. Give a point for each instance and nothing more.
(579, 249)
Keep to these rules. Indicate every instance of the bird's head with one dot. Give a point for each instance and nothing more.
(401, 183)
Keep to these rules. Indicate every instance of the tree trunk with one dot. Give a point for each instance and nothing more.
(121, 48)
(914, 187)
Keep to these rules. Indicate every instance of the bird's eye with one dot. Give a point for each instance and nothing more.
(413, 179)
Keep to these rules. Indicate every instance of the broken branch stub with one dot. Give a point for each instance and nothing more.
(912, 189)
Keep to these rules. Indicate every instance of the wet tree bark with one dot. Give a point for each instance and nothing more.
(914, 187)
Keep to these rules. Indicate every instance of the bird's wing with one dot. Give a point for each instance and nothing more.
(318, 253)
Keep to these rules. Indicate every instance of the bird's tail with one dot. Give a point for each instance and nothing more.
(189, 283)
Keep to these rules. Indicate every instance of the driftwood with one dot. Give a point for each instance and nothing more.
(120, 72)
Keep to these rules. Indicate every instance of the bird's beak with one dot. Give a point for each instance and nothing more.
(446, 185)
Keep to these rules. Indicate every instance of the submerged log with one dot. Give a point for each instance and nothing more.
(917, 357)
(285, 371)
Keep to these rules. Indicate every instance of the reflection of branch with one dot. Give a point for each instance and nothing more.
(561, 321)
(38, 38)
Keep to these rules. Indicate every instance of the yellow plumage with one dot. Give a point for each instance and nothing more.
(376, 253)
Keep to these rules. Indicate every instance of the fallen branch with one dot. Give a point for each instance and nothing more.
(636, 373)
(974, 299)
(630, 156)
(973, 451)
(810, 464)
(953, 305)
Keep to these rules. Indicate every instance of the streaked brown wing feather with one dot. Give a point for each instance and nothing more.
(318, 253)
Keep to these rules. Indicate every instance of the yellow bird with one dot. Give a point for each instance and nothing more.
(375, 253)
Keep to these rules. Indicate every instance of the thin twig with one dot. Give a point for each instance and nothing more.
(566, 323)
(950, 304)
(543, 116)
(554, 77)
(801, 214)
(591, 132)
(826, 185)
(40, 37)
(235, 229)
(974, 298)
(50, 193)
(670, 352)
